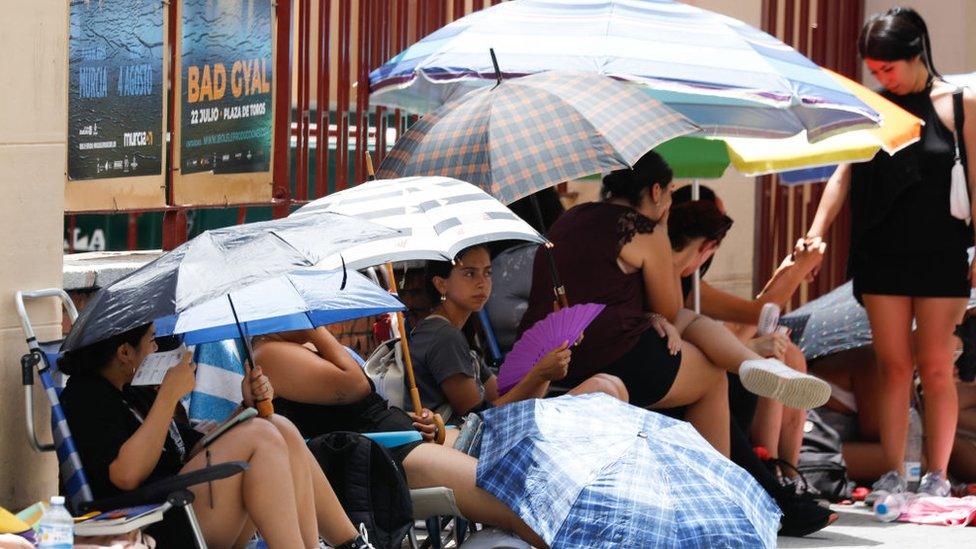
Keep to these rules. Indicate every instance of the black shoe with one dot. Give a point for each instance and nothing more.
(802, 515)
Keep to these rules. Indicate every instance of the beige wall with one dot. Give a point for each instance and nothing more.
(33, 121)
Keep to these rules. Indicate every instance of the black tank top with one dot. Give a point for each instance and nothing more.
(918, 220)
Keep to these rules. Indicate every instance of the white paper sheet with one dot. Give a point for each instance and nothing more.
(154, 368)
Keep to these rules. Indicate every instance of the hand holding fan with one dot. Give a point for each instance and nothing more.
(545, 335)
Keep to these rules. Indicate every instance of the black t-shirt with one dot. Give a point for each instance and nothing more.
(102, 419)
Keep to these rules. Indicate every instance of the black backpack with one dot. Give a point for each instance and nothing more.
(821, 462)
(370, 486)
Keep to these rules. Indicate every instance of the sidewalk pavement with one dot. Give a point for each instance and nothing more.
(856, 527)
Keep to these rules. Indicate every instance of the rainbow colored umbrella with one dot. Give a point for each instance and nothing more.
(708, 157)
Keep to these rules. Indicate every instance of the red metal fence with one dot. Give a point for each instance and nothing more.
(826, 32)
(346, 39)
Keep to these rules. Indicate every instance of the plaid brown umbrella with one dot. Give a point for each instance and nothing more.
(529, 133)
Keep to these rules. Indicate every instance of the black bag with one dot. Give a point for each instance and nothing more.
(821, 462)
(369, 484)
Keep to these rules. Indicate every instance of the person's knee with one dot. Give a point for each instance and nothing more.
(937, 380)
(896, 367)
(287, 429)
(263, 433)
(611, 385)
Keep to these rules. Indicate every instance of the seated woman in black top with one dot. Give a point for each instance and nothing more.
(128, 436)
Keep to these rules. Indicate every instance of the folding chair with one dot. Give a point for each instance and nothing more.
(171, 492)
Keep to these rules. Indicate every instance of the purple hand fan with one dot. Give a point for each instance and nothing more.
(544, 336)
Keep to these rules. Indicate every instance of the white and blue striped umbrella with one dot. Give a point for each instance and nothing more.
(724, 75)
(435, 218)
(298, 300)
(592, 471)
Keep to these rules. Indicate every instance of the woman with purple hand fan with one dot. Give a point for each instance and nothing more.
(452, 378)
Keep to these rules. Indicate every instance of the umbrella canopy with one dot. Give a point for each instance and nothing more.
(591, 471)
(707, 157)
(725, 75)
(212, 264)
(526, 134)
(435, 218)
(301, 299)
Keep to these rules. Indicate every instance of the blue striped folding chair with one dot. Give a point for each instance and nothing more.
(42, 357)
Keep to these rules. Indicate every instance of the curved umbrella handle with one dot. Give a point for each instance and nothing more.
(441, 434)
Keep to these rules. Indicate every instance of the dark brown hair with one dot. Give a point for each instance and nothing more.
(90, 360)
(896, 35)
(696, 219)
(628, 183)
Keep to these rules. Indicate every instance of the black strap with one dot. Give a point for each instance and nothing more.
(959, 115)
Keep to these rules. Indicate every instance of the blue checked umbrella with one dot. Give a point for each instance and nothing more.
(726, 76)
(526, 134)
(591, 471)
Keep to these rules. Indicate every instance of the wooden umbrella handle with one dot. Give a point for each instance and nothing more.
(265, 407)
(418, 408)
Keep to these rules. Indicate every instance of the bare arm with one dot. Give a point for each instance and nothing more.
(326, 375)
(835, 193)
(139, 455)
(651, 253)
(462, 390)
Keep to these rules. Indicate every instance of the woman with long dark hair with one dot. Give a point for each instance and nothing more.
(908, 253)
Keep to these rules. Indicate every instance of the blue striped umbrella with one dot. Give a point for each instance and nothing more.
(726, 76)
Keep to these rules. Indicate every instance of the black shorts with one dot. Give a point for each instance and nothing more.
(934, 274)
(380, 417)
(648, 369)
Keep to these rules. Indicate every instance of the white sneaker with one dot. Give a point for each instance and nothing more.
(771, 378)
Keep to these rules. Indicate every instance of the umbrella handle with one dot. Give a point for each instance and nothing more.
(265, 408)
(441, 434)
(418, 408)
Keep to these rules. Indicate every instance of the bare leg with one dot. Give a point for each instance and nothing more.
(788, 437)
(891, 323)
(768, 378)
(704, 389)
(865, 460)
(934, 346)
(713, 339)
(432, 465)
(319, 507)
(243, 496)
(603, 383)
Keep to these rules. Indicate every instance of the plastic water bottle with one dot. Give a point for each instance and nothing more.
(913, 450)
(890, 507)
(56, 526)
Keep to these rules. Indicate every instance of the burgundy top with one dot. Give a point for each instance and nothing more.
(588, 238)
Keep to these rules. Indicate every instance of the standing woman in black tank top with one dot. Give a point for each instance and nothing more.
(908, 254)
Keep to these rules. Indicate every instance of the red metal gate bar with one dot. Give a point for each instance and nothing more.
(322, 107)
(304, 84)
(342, 98)
(282, 117)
